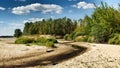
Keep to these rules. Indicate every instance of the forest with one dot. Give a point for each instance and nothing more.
(59, 26)
(103, 26)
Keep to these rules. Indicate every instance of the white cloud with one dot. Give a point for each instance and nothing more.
(33, 20)
(21, 0)
(44, 8)
(84, 5)
(1, 8)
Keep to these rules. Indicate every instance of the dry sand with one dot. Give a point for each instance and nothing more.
(20, 55)
(98, 55)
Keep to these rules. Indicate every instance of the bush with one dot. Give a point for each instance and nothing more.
(90, 39)
(28, 44)
(41, 40)
(66, 36)
(77, 34)
(115, 39)
(52, 40)
(81, 39)
(26, 40)
(50, 44)
(44, 40)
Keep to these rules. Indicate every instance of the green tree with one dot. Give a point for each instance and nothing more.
(17, 33)
(50, 26)
(104, 22)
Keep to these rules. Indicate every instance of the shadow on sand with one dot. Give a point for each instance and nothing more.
(51, 60)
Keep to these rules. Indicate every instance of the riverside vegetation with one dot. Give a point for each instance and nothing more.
(103, 26)
(48, 42)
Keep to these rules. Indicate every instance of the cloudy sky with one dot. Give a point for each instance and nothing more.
(14, 13)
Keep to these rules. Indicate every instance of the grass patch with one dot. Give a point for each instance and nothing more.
(23, 40)
(50, 44)
(41, 41)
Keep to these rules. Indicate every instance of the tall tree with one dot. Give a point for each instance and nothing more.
(17, 33)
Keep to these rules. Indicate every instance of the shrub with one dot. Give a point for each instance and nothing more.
(26, 40)
(52, 40)
(41, 40)
(44, 40)
(66, 36)
(90, 39)
(28, 44)
(77, 34)
(115, 39)
(81, 39)
(50, 44)
(69, 38)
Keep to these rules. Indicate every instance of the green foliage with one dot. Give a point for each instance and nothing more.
(50, 26)
(104, 22)
(28, 44)
(81, 39)
(52, 40)
(115, 39)
(66, 36)
(17, 33)
(90, 39)
(76, 34)
(41, 40)
(23, 40)
(50, 44)
(44, 40)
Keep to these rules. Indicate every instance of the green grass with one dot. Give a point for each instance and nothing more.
(22, 40)
(42, 41)
(50, 44)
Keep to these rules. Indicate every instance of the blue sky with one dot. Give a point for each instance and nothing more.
(14, 13)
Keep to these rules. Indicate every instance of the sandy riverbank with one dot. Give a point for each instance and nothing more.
(20, 55)
(98, 55)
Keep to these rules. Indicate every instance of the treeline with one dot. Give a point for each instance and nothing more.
(60, 26)
(103, 26)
